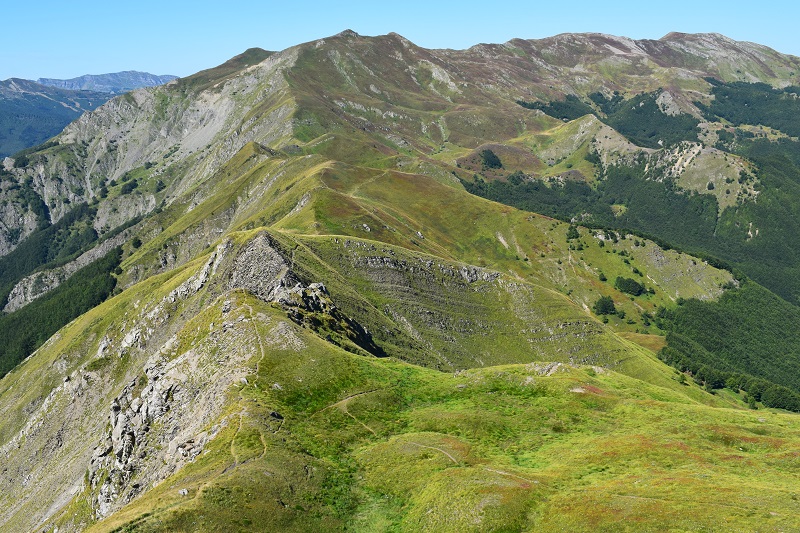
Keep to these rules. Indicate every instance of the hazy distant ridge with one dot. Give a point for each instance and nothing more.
(31, 113)
(117, 82)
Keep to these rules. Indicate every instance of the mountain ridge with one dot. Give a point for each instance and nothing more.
(114, 83)
(33, 111)
(301, 261)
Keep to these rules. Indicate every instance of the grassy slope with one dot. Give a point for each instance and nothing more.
(312, 482)
(379, 445)
(216, 75)
(398, 207)
(380, 460)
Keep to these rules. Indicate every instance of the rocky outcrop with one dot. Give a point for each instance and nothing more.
(16, 223)
(262, 269)
(132, 457)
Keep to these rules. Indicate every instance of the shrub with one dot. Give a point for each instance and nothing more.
(629, 286)
(490, 160)
(604, 306)
(572, 233)
(129, 187)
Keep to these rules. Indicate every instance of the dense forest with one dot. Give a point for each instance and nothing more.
(749, 335)
(25, 330)
(657, 210)
(749, 330)
(639, 118)
(754, 103)
(48, 246)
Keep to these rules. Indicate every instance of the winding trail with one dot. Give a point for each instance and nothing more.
(437, 449)
(345, 401)
(342, 406)
(233, 441)
(509, 474)
(258, 338)
(244, 410)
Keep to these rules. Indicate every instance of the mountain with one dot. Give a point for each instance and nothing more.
(115, 83)
(31, 113)
(358, 284)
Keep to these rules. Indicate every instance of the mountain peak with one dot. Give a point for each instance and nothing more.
(347, 34)
(681, 36)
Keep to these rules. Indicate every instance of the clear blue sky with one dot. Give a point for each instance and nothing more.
(58, 39)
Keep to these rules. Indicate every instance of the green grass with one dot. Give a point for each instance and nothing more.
(369, 444)
(210, 77)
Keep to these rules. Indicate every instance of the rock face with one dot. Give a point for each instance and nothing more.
(21, 222)
(64, 422)
(182, 394)
(262, 270)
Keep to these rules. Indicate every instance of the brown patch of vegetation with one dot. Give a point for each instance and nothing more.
(653, 343)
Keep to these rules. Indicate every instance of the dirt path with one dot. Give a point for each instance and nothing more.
(509, 474)
(345, 401)
(244, 410)
(258, 338)
(437, 449)
(342, 406)
(233, 440)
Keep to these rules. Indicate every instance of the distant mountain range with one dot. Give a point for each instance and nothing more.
(114, 83)
(33, 111)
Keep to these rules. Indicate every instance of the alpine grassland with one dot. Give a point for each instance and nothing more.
(378, 444)
(358, 285)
